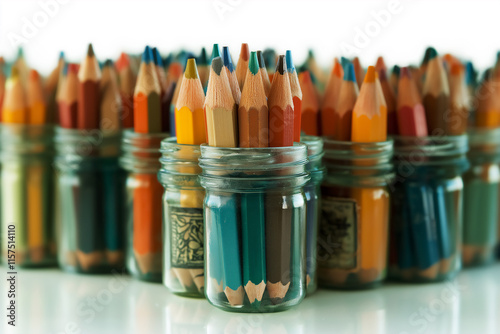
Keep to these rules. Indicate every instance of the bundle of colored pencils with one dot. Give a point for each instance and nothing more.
(251, 253)
(27, 172)
(89, 100)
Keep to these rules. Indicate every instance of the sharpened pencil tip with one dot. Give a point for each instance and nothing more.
(469, 73)
(191, 71)
(344, 61)
(371, 74)
(217, 65)
(395, 70)
(61, 55)
(108, 62)
(289, 61)
(226, 57)
(20, 52)
(337, 68)
(244, 53)
(253, 64)
(405, 72)
(157, 57)
(281, 65)
(215, 51)
(147, 55)
(90, 51)
(260, 57)
(203, 59)
(349, 74)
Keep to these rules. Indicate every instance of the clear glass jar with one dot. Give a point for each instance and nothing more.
(255, 220)
(481, 197)
(426, 225)
(353, 237)
(141, 154)
(312, 191)
(183, 255)
(90, 187)
(27, 209)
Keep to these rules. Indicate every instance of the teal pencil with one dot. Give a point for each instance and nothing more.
(253, 122)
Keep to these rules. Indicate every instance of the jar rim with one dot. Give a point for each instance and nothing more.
(431, 146)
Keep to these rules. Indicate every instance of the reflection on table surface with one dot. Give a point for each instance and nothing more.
(50, 301)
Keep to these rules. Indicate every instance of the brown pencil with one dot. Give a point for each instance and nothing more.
(330, 99)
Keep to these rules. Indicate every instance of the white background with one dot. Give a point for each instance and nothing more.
(469, 29)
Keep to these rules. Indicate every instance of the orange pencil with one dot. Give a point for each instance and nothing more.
(346, 100)
(147, 240)
(280, 104)
(330, 100)
(310, 105)
(127, 79)
(14, 109)
(487, 115)
(242, 66)
(296, 96)
(37, 107)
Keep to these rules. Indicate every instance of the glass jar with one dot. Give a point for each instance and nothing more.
(312, 191)
(427, 208)
(141, 154)
(183, 255)
(27, 154)
(353, 237)
(481, 197)
(255, 220)
(90, 186)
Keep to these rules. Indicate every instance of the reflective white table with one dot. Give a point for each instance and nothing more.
(53, 302)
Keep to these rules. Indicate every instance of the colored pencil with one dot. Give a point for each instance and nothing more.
(459, 101)
(394, 78)
(316, 71)
(147, 97)
(190, 129)
(50, 88)
(127, 80)
(360, 72)
(21, 65)
(253, 124)
(280, 104)
(242, 66)
(410, 111)
(37, 106)
(331, 99)
(89, 76)
(165, 103)
(263, 72)
(270, 60)
(369, 124)
(389, 96)
(222, 125)
(296, 95)
(147, 202)
(279, 213)
(68, 97)
(231, 75)
(436, 94)
(310, 105)
(346, 101)
(14, 109)
(203, 67)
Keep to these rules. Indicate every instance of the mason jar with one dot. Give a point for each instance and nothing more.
(27, 198)
(90, 187)
(143, 204)
(255, 223)
(312, 192)
(481, 183)
(353, 237)
(427, 208)
(183, 255)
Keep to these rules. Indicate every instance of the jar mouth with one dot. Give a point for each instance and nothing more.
(431, 146)
(484, 143)
(27, 138)
(87, 143)
(258, 161)
(141, 151)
